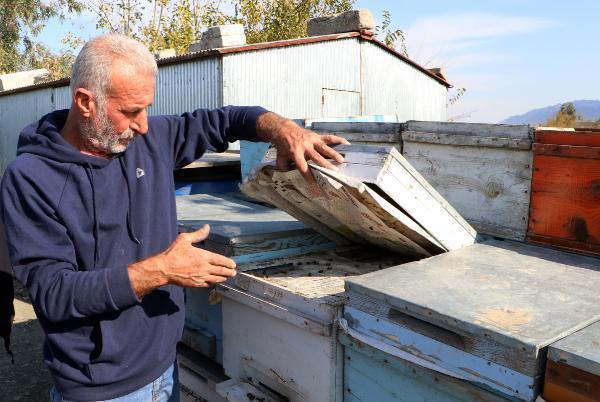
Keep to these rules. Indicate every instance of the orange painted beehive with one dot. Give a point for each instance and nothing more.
(565, 190)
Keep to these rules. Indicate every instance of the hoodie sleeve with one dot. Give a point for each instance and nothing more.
(43, 258)
(192, 134)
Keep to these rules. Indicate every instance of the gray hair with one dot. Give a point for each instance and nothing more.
(93, 67)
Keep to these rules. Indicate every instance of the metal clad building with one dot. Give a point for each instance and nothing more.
(325, 76)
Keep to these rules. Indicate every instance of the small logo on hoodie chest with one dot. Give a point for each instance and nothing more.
(139, 172)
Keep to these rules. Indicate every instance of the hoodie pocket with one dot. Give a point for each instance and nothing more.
(125, 347)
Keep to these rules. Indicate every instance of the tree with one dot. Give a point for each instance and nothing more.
(162, 24)
(567, 116)
(392, 38)
(20, 22)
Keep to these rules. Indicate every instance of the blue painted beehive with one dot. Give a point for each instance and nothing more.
(245, 232)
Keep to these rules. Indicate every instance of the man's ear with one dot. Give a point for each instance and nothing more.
(84, 101)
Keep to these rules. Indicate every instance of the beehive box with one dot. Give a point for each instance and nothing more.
(566, 190)
(279, 321)
(376, 373)
(484, 314)
(376, 196)
(573, 367)
(246, 232)
(482, 170)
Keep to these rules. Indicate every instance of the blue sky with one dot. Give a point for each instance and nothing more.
(510, 55)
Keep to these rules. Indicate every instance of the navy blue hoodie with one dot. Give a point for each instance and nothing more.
(74, 222)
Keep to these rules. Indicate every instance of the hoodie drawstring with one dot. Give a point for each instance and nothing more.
(130, 204)
(90, 174)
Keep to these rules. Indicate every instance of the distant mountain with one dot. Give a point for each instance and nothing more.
(590, 109)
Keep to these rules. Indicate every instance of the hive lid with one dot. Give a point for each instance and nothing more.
(521, 296)
(241, 227)
(580, 350)
(376, 196)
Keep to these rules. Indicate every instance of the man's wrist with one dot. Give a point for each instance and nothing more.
(147, 275)
(269, 125)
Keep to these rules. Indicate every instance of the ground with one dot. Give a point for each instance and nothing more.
(28, 379)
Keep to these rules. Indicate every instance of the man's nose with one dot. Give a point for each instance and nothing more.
(140, 123)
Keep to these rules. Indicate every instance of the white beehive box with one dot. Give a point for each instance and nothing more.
(279, 321)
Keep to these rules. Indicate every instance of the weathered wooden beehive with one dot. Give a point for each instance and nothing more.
(566, 190)
(480, 316)
(573, 367)
(280, 321)
(246, 232)
(482, 170)
(375, 196)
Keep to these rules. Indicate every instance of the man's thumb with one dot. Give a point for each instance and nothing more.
(200, 234)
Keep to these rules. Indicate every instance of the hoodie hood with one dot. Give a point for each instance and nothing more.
(43, 138)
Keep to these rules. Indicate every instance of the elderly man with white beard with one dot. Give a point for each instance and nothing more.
(89, 210)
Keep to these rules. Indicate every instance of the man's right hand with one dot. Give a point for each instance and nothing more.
(181, 264)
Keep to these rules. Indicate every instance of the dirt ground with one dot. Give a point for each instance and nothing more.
(27, 379)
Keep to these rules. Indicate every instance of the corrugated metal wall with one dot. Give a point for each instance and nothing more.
(18, 110)
(187, 86)
(391, 86)
(179, 88)
(290, 80)
(323, 79)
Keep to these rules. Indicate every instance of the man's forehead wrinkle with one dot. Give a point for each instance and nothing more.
(130, 93)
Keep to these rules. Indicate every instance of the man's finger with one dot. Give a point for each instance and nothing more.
(221, 260)
(207, 279)
(222, 271)
(319, 160)
(199, 235)
(304, 170)
(330, 153)
(334, 139)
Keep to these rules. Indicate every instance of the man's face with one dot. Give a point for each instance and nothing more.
(122, 115)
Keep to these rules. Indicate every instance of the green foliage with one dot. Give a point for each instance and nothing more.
(270, 20)
(20, 22)
(162, 24)
(567, 116)
(392, 38)
(459, 92)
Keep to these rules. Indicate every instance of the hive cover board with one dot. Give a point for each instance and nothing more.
(573, 369)
(493, 306)
(240, 227)
(375, 196)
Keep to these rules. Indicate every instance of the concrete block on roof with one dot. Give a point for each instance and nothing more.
(220, 36)
(164, 53)
(349, 21)
(22, 79)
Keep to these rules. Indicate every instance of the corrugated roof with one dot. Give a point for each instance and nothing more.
(254, 47)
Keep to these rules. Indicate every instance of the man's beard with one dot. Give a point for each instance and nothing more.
(99, 134)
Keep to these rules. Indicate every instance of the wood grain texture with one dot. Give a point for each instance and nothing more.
(489, 187)
(239, 227)
(561, 137)
(503, 291)
(372, 375)
(580, 350)
(441, 357)
(567, 383)
(467, 140)
(564, 201)
(295, 362)
(400, 322)
(313, 283)
(375, 196)
(477, 129)
(358, 127)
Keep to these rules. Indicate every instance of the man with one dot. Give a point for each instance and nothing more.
(90, 218)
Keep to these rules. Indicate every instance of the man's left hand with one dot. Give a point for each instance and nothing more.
(297, 145)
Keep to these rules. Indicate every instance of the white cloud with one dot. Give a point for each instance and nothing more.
(432, 40)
